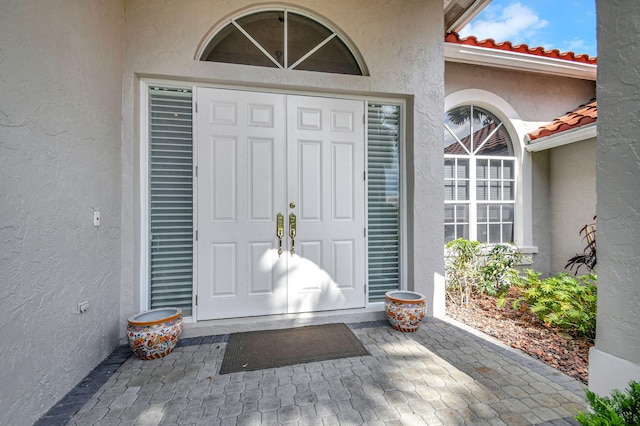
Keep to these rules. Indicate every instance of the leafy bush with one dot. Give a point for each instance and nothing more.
(461, 269)
(472, 268)
(561, 301)
(499, 270)
(620, 409)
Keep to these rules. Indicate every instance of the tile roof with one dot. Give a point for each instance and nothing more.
(489, 43)
(584, 114)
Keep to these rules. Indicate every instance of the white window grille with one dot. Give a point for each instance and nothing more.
(283, 38)
(479, 177)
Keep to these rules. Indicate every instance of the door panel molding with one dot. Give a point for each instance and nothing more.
(254, 164)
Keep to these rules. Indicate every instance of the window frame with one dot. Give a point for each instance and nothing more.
(514, 126)
(203, 47)
(401, 202)
(473, 202)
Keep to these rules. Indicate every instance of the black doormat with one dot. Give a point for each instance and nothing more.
(256, 350)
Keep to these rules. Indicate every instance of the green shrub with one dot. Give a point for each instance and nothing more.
(461, 269)
(499, 271)
(561, 301)
(620, 409)
(473, 268)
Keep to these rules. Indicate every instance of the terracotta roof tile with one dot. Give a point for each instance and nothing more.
(489, 43)
(584, 114)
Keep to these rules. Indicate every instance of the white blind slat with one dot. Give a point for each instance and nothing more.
(171, 199)
(383, 183)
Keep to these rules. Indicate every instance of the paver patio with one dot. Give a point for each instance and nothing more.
(443, 374)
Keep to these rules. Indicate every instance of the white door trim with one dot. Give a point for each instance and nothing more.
(140, 207)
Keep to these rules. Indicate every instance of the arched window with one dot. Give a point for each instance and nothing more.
(479, 177)
(282, 38)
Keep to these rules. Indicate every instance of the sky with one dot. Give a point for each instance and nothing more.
(567, 25)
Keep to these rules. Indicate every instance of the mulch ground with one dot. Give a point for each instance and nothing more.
(521, 330)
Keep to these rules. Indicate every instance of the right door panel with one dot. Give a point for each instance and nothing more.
(325, 176)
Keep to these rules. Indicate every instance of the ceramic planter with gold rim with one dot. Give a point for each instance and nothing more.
(153, 334)
(405, 309)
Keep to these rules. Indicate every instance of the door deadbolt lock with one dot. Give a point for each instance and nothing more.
(292, 205)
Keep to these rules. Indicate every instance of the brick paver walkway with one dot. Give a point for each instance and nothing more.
(440, 375)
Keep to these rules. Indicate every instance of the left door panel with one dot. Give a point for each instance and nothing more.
(241, 183)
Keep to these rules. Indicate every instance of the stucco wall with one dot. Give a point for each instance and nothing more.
(572, 200)
(541, 216)
(615, 359)
(60, 127)
(535, 99)
(401, 42)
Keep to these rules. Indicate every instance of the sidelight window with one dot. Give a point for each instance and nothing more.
(170, 199)
(383, 195)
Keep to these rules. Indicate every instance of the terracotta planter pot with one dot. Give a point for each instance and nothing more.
(405, 309)
(153, 334)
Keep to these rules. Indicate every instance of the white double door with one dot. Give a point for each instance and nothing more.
(268, 164)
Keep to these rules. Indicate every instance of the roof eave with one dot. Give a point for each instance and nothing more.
(455, 52)
(460, 20)
(566, 137)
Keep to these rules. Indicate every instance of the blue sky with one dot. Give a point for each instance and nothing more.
(567, 25)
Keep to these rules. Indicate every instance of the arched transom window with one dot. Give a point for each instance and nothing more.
(479, 177)
(282, 38)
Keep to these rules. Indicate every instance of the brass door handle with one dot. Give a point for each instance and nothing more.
(280, 231)
(292, 232)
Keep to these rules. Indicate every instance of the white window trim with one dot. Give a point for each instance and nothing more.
(143, 286)
(331, 26)
(511, 121)
(145, 83)
(402, 194)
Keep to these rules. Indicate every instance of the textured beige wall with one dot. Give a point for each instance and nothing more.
(615, 359)
(572, 200)
(540, 165)
(60, 127)
(536, 98)
(401, 42)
